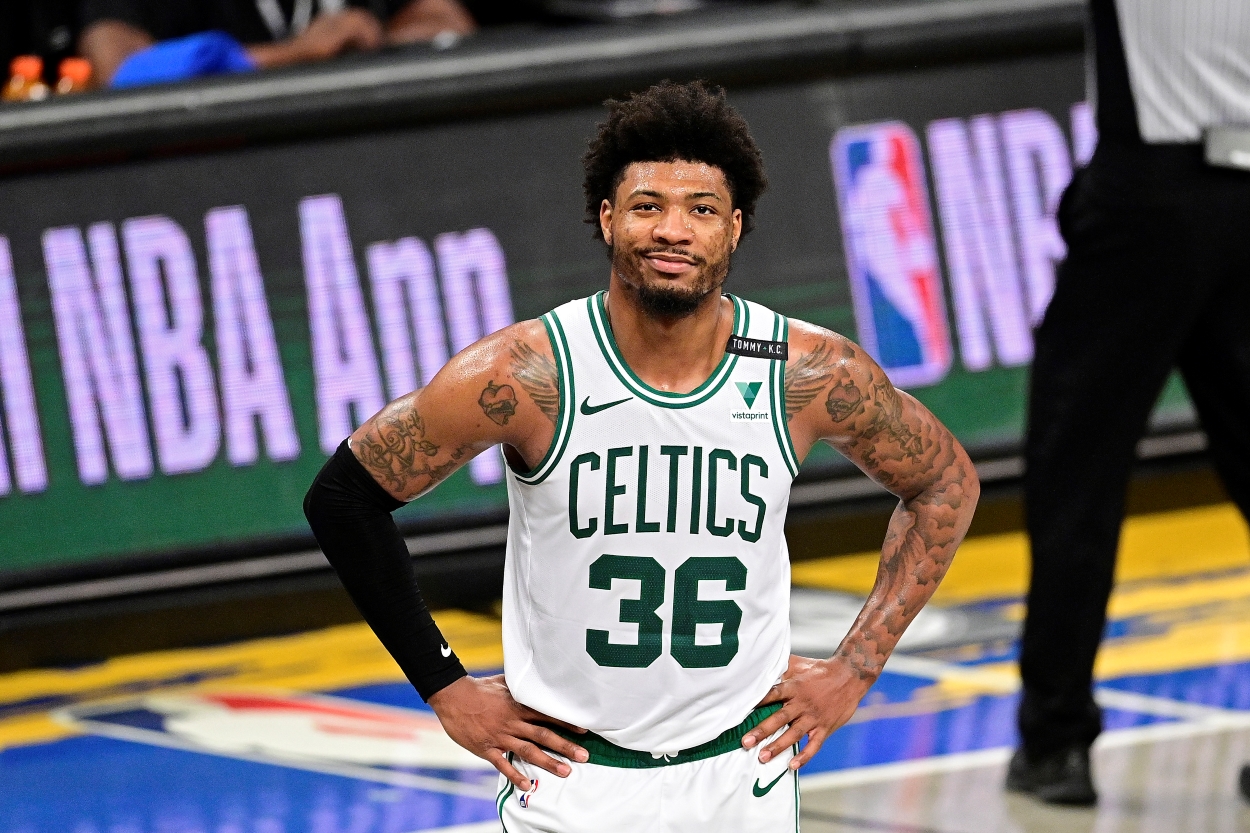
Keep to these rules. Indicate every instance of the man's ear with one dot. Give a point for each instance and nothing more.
(605, 221)
(737, 226)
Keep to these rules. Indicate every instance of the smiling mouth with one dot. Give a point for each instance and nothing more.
(668, 262)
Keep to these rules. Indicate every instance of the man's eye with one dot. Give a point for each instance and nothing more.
(704, 209)
(647, 206)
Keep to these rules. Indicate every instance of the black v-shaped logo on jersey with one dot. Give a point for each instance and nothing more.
(588, 409)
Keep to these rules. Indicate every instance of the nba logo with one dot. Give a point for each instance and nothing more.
(525, 797)
(891, 255)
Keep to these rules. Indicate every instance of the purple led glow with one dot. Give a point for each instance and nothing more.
(169, 313)
(408, 312)
(97, 354)
(21, 419)
(1039, 168)
(348, 389)
(980, 254)
(253, 388)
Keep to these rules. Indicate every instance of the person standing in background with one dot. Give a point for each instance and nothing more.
(1157, 276)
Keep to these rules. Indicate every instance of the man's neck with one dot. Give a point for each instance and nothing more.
(669, 354)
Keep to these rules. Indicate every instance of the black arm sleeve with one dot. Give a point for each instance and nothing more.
(350, 514)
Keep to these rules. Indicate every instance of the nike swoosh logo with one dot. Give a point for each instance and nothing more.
(760, 792)
(588, 409)
(445, 650)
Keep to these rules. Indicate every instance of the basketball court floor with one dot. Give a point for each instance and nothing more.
(318, 731)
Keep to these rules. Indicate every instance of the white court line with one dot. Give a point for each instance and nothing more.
(1115, 739)
(905, 769)
(1194, 720)
(392, 778)
(1131, 701)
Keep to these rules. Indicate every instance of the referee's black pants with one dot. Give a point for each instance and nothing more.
(1157, 276)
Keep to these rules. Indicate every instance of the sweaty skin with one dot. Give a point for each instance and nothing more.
(672, 228)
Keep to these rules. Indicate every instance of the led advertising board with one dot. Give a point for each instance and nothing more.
(184, 340)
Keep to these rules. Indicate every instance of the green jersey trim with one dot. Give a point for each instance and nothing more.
(605, 753)
(664, 399)
(777, 394)
(568, 401)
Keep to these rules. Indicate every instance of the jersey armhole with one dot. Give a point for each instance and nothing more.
(568, 399)
(777, 397)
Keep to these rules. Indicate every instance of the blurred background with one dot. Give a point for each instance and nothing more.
(230, 231)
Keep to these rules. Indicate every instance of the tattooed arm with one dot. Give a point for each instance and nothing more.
(504, 389)
(835, 392)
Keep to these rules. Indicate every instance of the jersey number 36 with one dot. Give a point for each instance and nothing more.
(688, 611)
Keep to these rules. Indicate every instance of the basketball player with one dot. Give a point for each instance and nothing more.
(651, 434)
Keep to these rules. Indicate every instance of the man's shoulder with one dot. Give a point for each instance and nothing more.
(501, 346)
(806, 339)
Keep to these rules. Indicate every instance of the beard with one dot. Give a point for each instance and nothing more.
(666, 298)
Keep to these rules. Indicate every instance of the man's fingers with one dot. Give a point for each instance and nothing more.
(814, 742)
(507, 770)
(558, 744)
(788, 738)
(766, 728)
(533, 754)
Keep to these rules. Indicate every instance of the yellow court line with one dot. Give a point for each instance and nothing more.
(1165, 544)
(1144, 598)
(1198, 644)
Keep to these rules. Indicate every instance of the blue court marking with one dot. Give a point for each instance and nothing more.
(99, 785)
(986, 722)
(399, 695)
(1221, 686)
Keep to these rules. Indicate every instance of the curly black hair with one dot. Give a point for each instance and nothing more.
(669, 121)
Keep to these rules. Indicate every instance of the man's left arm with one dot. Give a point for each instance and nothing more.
(836, 393)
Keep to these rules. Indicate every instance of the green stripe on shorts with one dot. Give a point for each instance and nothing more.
(605, 753)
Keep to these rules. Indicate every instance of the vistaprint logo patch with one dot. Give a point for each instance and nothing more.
(749, 391)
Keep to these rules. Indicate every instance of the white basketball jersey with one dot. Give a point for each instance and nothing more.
(647, 586)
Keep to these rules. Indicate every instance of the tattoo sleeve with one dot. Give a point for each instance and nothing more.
(807, 377)
(398, 454)
(538, 377)
(899, 443)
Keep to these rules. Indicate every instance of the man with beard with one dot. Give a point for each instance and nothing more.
(651, 434)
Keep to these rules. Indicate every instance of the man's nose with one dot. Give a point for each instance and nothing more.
(673, 227)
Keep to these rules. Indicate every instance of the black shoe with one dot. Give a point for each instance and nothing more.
(1245, 782)
(1060, 778)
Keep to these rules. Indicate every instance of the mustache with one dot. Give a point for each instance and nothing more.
(670, 250)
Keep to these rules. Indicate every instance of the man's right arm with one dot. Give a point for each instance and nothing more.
(499, 390)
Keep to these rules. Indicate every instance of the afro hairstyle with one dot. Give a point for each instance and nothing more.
(667, 122)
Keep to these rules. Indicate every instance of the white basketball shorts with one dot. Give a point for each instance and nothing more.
(717, 787)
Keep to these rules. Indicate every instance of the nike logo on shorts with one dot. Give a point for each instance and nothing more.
(588, 409)
(760, 792)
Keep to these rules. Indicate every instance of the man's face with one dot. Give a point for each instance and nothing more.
(671, 227)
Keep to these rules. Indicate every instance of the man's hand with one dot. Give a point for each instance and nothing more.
(817, 697)
(328, 36)
(422, 20)
(480, 715)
